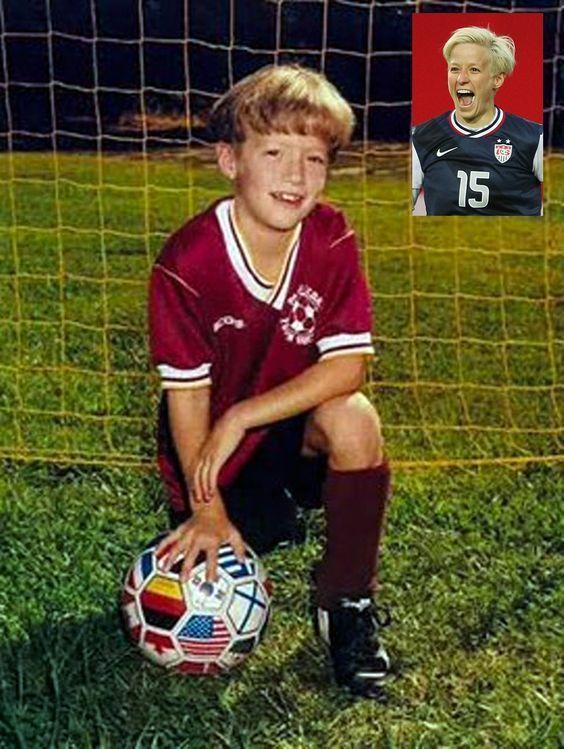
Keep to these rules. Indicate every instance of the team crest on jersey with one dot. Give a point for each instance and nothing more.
(299, 324)
(503, 151)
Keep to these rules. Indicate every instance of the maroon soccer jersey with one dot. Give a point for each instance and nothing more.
(214, 321)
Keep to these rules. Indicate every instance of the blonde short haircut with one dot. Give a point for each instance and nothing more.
(283, 99)
(501, 48)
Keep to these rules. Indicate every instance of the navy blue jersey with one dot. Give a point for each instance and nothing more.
(494, 171)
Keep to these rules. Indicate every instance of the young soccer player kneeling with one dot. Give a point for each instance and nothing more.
(260, 328)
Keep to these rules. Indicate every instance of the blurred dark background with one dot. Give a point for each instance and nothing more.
(90, 74)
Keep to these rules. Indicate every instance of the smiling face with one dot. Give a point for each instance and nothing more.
(278, 178)
(472, 84)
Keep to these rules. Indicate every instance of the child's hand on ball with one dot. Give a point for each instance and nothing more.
(206, 531)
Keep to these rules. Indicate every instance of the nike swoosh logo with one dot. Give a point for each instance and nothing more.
(442, 153)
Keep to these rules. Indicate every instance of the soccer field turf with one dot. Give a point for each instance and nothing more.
(470, 367)
(471, 567)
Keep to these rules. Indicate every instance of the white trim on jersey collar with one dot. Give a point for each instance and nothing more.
(280, 291)
(253, 286)
(244, 252)
(495, 123)
(256, 285)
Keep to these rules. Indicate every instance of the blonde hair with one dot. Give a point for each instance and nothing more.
(501, 48)
(284, 99)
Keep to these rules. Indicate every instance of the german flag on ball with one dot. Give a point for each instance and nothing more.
(163, 602)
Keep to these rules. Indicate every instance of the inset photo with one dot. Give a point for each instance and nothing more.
(477, 136)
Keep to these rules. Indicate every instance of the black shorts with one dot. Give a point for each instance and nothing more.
(262, 502)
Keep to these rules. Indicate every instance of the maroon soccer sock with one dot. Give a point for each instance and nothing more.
(355, 504)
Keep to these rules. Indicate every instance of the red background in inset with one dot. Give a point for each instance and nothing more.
(521, 92)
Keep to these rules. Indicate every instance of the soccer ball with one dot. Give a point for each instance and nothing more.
(303, 318)
(196, 627)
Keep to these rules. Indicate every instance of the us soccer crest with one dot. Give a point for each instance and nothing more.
(503, 151)
(299, 325)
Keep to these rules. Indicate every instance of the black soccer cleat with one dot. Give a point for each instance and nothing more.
(350, 629)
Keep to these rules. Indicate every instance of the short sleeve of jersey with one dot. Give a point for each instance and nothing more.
(538, 160)
(416, 170)
(346, 320)
(180, 344)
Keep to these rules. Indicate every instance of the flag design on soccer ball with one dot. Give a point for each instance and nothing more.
(163, 602)
(159, 647)
(229, 562)
(247, 611)
(204, 636)
(141, 570)
(131, 616)
(198, 668)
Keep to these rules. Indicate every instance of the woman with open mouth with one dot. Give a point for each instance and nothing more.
(478, 159)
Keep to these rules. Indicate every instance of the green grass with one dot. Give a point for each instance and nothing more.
(471, 352)
(469, 337)
(471, 567)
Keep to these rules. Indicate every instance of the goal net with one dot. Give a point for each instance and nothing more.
(103, 152)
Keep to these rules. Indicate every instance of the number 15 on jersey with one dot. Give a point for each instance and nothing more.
(475, 181)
